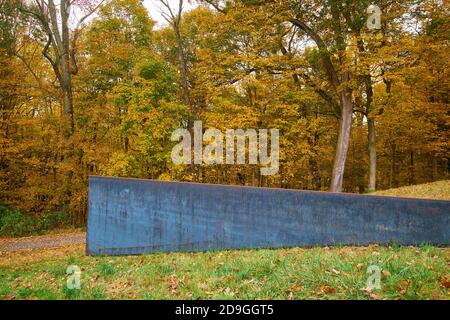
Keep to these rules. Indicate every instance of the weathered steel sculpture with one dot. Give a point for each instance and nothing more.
(131, 216)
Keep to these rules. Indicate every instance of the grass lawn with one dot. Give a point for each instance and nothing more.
(297, 273)
(316, 273)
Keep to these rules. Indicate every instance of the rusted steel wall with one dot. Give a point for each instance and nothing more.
(131, 216)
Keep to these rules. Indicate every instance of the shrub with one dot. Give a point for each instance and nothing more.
(14, 223)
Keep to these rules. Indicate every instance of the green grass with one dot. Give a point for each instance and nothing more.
(439, 190)
(317, 273)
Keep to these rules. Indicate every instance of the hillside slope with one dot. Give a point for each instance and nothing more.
(439, 190)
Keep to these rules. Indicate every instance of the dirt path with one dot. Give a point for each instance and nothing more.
(41, 242)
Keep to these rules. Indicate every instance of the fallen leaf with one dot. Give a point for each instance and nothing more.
(296, 288)
(229, 292)
(173, 286)
(327, 289)
(436, 295)
(446, 283)
(173, 283)
(336, 271)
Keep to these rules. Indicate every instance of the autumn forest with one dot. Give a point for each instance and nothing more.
(90, 87)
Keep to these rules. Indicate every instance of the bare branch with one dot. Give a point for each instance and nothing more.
(29, 68)
(75, 36)
(47, 55)
(80, 22)
(215, 5)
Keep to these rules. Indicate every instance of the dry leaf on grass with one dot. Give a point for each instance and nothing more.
(327, 289)
(375, 296)
(446, 283)
(336, 272)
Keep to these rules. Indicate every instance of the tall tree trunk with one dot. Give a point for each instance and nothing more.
(66, 73)
(183, 68)
(412, 175)
(174, 19)
(371, 133)
(434, 169)
(313, 164)
(341, 87)
(372, 154)
(393, 170)
(315, 175)
(345, 128)
(66, 88)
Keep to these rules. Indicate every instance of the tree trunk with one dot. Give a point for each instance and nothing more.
(434, 169)
(393, 174)
(372, 154)
(412, 175)
(315, 175)
(345, 96)
(183, 67)
(345, 128)
(66, 75)
(313, 165)
(66, 89)
(371, 134)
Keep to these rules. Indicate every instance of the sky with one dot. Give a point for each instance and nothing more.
(153, 9)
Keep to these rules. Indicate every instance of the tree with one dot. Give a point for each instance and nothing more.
(174, 20)
(61, 45)
(318, 20)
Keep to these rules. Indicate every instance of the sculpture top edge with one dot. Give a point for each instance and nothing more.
(342, 194)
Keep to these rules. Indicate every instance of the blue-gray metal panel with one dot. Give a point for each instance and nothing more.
(132, 216)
